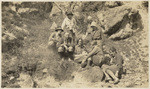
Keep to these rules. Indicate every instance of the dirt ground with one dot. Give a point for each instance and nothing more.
(137, 68)
(35, 50)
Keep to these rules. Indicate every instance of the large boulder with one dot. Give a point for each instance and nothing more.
(123, 33)
(112, 18)
(90, 74)
(120, 22)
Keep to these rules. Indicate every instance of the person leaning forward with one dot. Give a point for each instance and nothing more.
(114, 68)
(96, 54)
(56, 40)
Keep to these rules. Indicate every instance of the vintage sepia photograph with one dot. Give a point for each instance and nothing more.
(74, 44)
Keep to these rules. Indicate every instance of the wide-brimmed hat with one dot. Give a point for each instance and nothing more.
(69, 13)
(59, 28)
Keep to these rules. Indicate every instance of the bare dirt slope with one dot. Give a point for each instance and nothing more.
(37, 66)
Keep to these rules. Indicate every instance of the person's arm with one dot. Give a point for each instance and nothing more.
(84, 48)
(63, 24)
(93, 52)
(51, 36)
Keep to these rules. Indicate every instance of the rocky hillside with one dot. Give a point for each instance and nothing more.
(27, 62)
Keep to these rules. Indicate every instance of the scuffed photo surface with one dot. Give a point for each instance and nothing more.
(48, 44)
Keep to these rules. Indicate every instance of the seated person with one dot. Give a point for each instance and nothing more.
(96, 54)
(80, 52)
(112, 66)
(56, 40)
(68, 43)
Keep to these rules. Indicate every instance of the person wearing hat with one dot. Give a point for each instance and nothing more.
(69, 23)
(56, 40)
(96, 54)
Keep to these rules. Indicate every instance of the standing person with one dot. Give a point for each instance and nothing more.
(69, 25)
(69, 22)
(96, 53)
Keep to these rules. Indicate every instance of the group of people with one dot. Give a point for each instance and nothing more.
(86, 50)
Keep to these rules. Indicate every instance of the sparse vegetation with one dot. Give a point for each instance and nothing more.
(25, 33)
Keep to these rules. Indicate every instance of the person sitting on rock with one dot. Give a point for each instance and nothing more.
(96, 53)
(80, 52)
(112, 66)
(56, 40)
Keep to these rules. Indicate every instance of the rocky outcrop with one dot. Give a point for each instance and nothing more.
(112, 18)
(120, 22)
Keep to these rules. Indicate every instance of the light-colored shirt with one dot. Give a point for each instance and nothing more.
(69, 24)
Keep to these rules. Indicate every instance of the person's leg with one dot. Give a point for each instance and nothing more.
(107, 76)
(94, 51)
(52, 47)
(104, 68)
(70, 53)
(89, 62)
(116, 80)
(116, 74)
(61, 49)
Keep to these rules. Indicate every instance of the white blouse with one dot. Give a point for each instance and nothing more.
(68, 24)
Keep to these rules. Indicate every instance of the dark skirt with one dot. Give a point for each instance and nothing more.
(97, 59)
